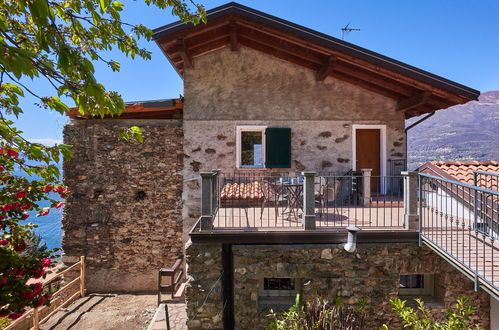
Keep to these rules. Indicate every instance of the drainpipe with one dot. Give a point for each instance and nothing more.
(351, 244)
(408, 128)
(228, 286)
(419, 121)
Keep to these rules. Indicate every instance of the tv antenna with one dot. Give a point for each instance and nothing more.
(346, 30)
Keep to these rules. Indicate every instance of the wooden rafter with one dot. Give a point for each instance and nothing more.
(414, 101)
(234, 29)
(184, 52)
(234, 44)
(327, 68)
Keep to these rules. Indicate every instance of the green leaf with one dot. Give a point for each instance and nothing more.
(137, 133)
(65, 150)
(56, 104)
(13, 88)
(118, 5)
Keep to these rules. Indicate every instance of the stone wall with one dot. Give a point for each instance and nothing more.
(371, 273)
(226, 89)
(125, 211)
(204, 287)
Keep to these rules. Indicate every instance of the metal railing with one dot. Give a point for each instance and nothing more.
(486, 180)
(460, 221)
(360, 200)
(256, 200)
(278, 200)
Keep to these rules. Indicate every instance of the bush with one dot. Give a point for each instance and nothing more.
(458, 317)
(319, 314)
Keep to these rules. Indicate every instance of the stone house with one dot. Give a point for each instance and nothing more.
(307, 135)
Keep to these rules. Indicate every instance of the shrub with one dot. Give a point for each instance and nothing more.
(319, 314)
(458, 317)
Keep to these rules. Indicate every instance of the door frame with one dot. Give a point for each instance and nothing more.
(382, 147)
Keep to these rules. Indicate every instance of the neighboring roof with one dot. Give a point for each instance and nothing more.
(417, 91)
(463, 171)
(151, 109)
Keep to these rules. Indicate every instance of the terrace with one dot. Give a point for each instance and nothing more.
(280, 202)
(460, 222)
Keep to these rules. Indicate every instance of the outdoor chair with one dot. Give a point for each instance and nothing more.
(272, 195)
(326, 190)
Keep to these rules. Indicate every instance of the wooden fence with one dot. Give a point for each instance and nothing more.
(61, 298)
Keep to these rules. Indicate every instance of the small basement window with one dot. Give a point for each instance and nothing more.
(416, 284)
(263, 147)
(278, 293)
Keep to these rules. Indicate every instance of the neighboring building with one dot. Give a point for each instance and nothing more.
(265, 99)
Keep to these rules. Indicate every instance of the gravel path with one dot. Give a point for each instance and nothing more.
(105, 311)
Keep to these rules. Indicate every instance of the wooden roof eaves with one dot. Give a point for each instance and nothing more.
(327, 41)
(140, 109)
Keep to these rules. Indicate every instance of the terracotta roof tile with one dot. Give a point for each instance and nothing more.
(463, 171)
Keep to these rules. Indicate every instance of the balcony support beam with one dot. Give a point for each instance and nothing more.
(411, 218)
(206, 200)
(308, 201)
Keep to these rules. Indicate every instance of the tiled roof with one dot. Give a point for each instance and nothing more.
(463, 171)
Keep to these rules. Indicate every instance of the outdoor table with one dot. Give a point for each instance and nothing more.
(294, 194)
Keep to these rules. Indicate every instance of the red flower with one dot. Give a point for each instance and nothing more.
(38, 286)
(44, 213)
(59, 205)
(3, 281)
(60, 189)
(3, 242)
(25, 216)
(26, 206)
(1, 151)
(21, 194)
(46, 262)
(12, 153)
(28, 295)
(15, 316)
(2, 168)
(3, 217)
(19, 247)
(9, 206)
(47, 188)
(40, 273)
(41, 302)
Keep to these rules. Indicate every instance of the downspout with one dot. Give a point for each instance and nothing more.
(228, 286)
(418, 122)
(411, 126)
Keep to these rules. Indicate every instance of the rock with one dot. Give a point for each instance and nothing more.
(326, 254)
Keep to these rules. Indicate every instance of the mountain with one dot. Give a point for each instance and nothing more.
(463, 132)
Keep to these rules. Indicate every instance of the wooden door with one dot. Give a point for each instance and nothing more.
(368, 154)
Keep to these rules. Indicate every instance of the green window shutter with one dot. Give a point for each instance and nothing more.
(278, 147)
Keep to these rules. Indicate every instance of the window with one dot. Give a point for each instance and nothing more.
(262, 147)
(416, 284)
(278, 293)
(251, 146)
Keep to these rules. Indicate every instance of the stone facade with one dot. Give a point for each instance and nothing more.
(124, 214)
(227, 89)
(371, 273)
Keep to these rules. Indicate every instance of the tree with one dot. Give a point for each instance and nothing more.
(58, 41)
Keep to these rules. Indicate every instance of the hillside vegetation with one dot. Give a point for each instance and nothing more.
(463, 132)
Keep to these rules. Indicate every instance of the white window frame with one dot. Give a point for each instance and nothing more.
(382, 149)
(247, 128)
(428, 288)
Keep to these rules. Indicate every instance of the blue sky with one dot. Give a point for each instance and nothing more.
(458, 40)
